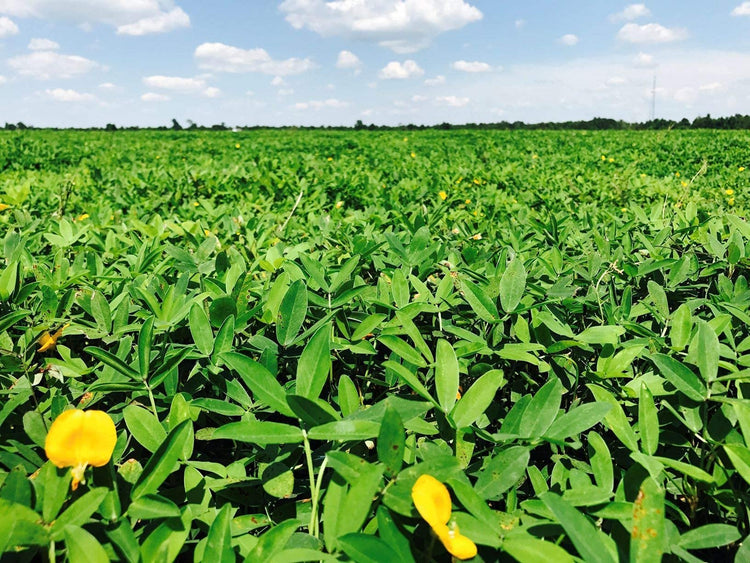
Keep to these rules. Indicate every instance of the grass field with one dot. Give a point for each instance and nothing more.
(289, 328)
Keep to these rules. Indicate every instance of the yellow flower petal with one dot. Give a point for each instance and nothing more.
(432, 500)
(48, 341)
(4, 206)
(79, 438)
(455, 543)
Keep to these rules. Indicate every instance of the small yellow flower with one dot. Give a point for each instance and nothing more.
(455, 230)
(339, 204)
(237, 146)
(78, 439)
(741, 169)
(643, 175)
(730, 201)
(534, 156)
(82, 217)
(624, 209)
(477, 236)
(477, 181)
(157, 157)
(467, 201)
(196, 204)
(610, 159)
(433, 502)
(406, 139)
(330, 158)
(729, 191)
(684, 184)
(442, 195)
(48, 341)
(677, 174)
(678, 204)
(414, 155)
(604, 158)
(4, 206)
(207, 232)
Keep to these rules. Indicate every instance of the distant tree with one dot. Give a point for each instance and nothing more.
(10, 126)
(110, 127)
(175, 125)
(359, 125)
(21, 125)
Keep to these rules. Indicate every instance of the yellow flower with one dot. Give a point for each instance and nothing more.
(414, 155)
(237, 146)
(624, 209)
(684, 184)
(730, 201)
(467, 201)
(339, 204)
(443, 195)
(433, 502)
(330, 158)
(48, 341)
(477, 181)
(610, 159)
(741, 169)
(604, 158)
(477, 236)
(82, 216)
(677, 174)
(207, 232)
(4, 206)
(534, 156)
(729, 191)
(78, 439)
(196, 204)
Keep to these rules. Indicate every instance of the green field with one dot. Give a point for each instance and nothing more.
(290, 327)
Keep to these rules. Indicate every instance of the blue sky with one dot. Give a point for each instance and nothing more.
(316, 62)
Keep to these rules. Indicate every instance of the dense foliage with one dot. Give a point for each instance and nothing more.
(289, 328)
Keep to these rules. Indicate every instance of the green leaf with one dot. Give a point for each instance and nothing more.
(163, 461)
(740, 458)
(477, 299)
(149, 507)
(345, 430)
(709, 536)
(647, 535)
(659, 297)
(446, 375)
(219, 539)
(78, 513)
(577, 420)
(83, 546)
(648, 422)
(273, 541)
(344, 274)
(403, 349)
(292, 313)
(681, 376)
(608, 334)
(200, 329)
(145, 340)
(704, 351)
(348, 396)
(410, 379)
(315, 364)
(615, 419)
(144, 426)
(260, 381)
(224, 338)
(529, 549)
(112, 361)
(259, 432)
(541, 410)
(512, 285)
(391, 441)
(355, 508)
(392, 535)
(367, 326)
(682, 327)
(685, 468)
(579, 529)
(101, 312)
(365, 548)
(502, 472)
(20, 526)
(477, 399)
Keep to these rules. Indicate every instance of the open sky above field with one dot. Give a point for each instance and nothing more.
(314, 62)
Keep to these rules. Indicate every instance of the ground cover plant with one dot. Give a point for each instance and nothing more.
(374, 346)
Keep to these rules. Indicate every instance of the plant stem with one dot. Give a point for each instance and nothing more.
(313, 526)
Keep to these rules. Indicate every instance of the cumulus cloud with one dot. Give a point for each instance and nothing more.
(7, 27)
(650, 33)
(211, 92)
(45, 65)
(397, 70)
(404, 26)
(127, 16)
(277, 81)
(644, 60)
(320, 104)
(471, 66)
(631, 12)
(742, 10)
(43, 45)
(175, 83)
(154, 97)
(348, 60)
(453, 101)
(218, 57)
(3, 80)
(63, 95)
(436, 81)
(569, 39)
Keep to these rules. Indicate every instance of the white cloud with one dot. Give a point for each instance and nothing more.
(158, 23)
(644, 60)
(742, 10)
(348, 60)
(43, 45)
(471, 66)
(650, 33)
(453, 101)
(321, 104)
(616, 81)
(129, 17)
(219, 57)
(397, 70)
(154, 97)
(569, 39)
(631, 12)
(277, 81)
(211, 92)
(712, 87)
(285, 91)
(437, 81)
(175, 83)
(63, 95)
(404, 26)
(7, 27)
(3, 80)
(416, 98)
(45, 65)
(519, 23)
(107, 86)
